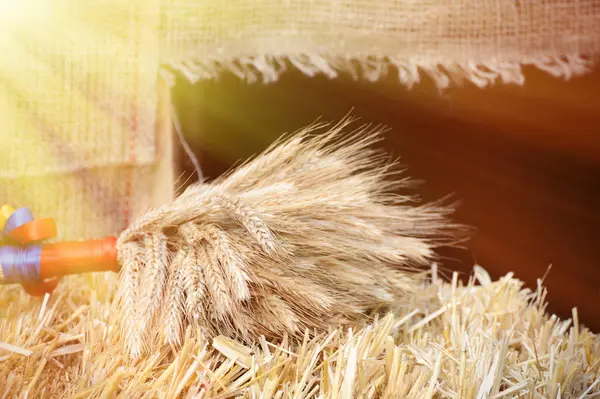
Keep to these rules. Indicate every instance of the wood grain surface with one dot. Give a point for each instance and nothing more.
(523, 161)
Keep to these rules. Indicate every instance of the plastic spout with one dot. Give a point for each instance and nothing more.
(77, 257)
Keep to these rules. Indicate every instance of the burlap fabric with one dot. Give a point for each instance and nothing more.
(78, 80)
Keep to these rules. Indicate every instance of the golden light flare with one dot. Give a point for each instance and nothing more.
(76, 82)
(22, 13)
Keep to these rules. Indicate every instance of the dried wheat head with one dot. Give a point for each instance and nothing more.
(312, 233)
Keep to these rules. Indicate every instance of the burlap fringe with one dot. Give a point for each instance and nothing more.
(444, 73)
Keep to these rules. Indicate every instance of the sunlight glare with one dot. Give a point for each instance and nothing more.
(22, 13)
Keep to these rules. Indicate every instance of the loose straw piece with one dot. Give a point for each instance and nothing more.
(432, 316)
(15, 349)
(233, 350)
(68, 350)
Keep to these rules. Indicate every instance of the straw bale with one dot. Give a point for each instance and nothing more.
(481, 339)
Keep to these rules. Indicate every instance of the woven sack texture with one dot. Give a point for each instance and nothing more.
(78, 89)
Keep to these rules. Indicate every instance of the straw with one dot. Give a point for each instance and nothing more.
(383, 359)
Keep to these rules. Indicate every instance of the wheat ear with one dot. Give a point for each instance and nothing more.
(217, 287)
(274, 312)
(193, 284)
(232, 264)
(154, 278)
(174, 320)
(131, 259)
(250, 220)
(214, 276)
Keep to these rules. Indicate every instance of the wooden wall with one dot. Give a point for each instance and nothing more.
(524, 161)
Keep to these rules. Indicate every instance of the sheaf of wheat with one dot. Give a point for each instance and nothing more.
(319, 230)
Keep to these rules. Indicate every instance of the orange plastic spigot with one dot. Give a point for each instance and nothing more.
(38, 267)
(76, 257)
(72, 257)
